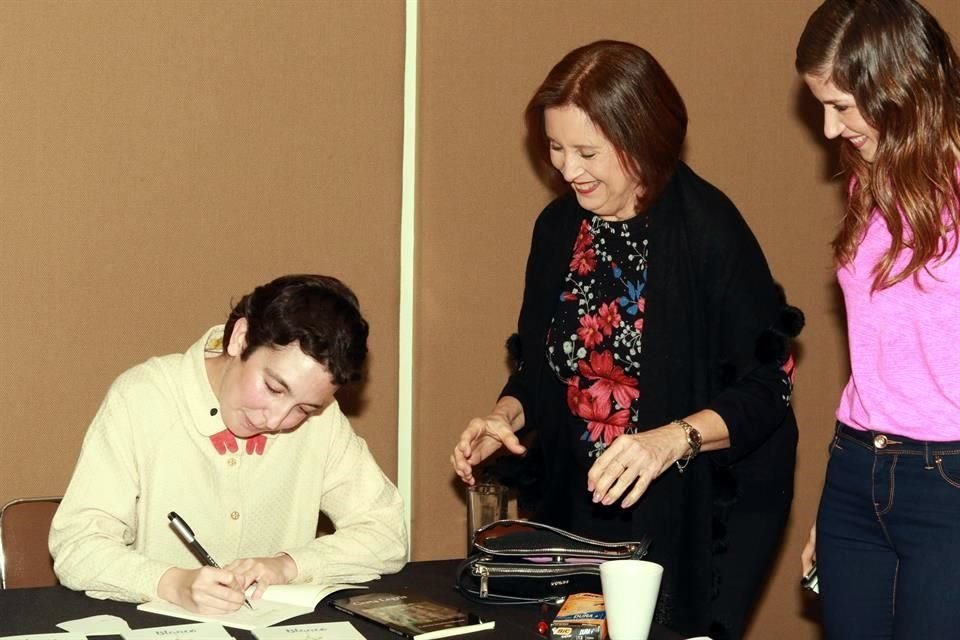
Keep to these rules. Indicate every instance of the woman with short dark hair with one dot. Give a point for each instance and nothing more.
(242, 437)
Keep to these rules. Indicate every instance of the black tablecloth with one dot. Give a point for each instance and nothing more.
(24, 611)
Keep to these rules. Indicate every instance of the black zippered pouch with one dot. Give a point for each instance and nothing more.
(523, 562)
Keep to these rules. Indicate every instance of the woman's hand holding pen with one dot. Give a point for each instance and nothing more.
(203, 590)
(213, 590)
(263, 572)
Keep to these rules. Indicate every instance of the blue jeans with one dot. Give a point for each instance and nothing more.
(888, 538)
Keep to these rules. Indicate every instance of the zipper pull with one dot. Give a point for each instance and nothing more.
(484, 581)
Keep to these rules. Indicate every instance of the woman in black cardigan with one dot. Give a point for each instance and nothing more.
(651, 331)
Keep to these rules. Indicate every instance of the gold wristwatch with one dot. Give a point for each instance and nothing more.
(694, 441)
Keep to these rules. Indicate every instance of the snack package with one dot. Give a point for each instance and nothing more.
(582, 617)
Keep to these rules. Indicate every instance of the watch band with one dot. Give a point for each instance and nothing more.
(694, 441)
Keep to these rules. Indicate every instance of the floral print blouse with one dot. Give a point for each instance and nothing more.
(595, 342)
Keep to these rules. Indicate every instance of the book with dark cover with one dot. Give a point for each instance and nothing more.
(412, 616)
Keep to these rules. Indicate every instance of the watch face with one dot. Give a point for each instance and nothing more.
(695, 437)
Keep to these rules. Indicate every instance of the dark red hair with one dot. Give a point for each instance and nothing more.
(629, 98)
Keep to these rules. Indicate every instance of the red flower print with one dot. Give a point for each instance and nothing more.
(609, 317)
(610, 379)
(638, 324)
(790, 368)
(584, 262)
(584, 238)
(601, 423)
(567, 296)
(589, 331)
(574, 394)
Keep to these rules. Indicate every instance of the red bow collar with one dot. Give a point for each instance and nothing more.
(226, 441)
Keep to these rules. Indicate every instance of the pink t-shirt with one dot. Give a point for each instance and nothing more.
(904, 346)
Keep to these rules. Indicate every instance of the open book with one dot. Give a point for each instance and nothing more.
(412, 616)
(279, 602)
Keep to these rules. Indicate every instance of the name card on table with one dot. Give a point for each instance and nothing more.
(202, 631)
(46, 636)
(314, 631)
(99, 625)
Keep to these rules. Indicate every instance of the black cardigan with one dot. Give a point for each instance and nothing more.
(710, 298)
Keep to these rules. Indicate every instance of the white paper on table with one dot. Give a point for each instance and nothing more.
(202, 631)
(100, 625)
(303, 595)
(313, 631)
(264, 615)
(47, 636)
(279, 603)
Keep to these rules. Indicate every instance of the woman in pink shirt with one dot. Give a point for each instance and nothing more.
(888, 529)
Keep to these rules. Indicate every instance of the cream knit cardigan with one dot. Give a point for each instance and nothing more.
(148, 452)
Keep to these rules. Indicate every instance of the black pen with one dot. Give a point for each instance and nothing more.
(186, 534)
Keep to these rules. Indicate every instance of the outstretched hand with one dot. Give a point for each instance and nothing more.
(481, 439)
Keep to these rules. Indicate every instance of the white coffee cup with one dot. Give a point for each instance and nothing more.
(630, 589)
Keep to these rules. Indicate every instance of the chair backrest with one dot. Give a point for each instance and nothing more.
(24, 558)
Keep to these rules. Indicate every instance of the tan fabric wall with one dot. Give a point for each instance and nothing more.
(753, 132)
(158, 160)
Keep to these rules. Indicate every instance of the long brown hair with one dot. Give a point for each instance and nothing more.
(901, 69)
(629, 97)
